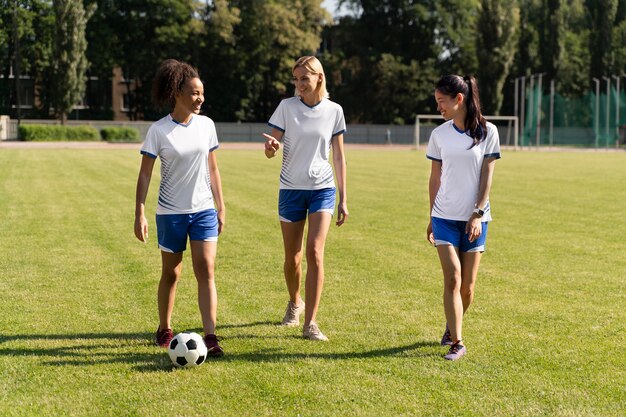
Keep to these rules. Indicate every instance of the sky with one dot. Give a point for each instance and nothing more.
(331, 5)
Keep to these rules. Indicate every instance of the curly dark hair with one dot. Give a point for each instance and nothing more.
(169, 80)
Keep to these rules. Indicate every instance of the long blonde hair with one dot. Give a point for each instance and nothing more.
(314, 66)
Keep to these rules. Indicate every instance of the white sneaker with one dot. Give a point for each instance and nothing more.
(292, 315)
(312, 332)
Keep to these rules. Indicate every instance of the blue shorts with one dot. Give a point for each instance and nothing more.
(173, 229)
(294, 204)
(452, 232)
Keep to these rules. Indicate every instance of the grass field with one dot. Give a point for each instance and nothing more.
(545, 336)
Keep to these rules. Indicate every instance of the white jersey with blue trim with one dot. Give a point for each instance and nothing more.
(308, 132)
(461, 166)
(184, 152)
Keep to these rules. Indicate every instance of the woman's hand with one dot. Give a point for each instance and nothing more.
(272, 145)
(342, 213)
(221, 220)
(141, 228)
(474, 228)
(429, 233)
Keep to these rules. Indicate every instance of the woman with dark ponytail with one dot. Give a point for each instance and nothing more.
(190, 196)
(463, 151)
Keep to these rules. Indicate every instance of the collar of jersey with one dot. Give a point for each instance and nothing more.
(457, 129)
(181, 124)
(313, 106)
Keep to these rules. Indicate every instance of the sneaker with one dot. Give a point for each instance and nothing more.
(163, 337)
(312, 332)
(213, 347)
(457, 351)
(446, 340)
(292, 315)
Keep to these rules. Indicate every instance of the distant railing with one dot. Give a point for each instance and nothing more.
(249, 132)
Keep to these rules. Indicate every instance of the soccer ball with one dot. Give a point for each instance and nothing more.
(187, 349)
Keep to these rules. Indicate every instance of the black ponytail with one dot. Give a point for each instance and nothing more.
(475, 123)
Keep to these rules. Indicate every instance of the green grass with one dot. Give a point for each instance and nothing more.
(545, 335)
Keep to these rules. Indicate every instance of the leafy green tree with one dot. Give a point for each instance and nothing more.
(456, 23)
(70, 64)
(602, 14)
(35, 25)
(265, 38)
(137, 35)
(387, 46)
(497, 29)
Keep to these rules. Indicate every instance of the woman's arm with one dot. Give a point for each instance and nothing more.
(216, 188)
(433, 188)
(339, 163)
(143, 183)
(486, 178)
(474, 225)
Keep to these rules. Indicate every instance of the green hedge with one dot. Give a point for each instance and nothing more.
(120, 134)
(50, 133)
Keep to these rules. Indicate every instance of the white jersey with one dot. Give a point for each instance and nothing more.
(184, 152)
(308, 132)
(460, 170)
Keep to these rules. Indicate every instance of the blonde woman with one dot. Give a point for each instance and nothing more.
(308, 125)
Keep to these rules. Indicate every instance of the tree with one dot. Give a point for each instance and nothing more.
(70, 65)
(389, 53)
(263, 38)
(602, 15)
(137, 35)
(35, 23)
(497, 29)
(456, 23)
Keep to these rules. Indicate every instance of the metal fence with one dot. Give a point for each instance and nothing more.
(249, 132)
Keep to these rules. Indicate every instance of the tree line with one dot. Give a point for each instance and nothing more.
(381, 59)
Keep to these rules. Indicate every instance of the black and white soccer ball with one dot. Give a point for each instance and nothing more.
(187, 349)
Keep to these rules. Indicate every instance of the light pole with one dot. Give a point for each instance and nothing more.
(551, 132)
(539, 86)
(596, 126)
(531, 101)
(608, 103)
(617, 104)
(523, 109)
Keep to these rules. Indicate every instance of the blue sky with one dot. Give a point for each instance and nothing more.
(330, 5)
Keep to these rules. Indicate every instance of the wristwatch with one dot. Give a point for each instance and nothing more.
(479, 212)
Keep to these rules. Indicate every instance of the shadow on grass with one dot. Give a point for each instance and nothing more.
(417, 349)
(83, 349)
(137, 349)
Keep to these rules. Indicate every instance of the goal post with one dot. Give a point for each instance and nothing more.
(508, 128)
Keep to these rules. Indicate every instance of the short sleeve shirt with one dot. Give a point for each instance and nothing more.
(461, 166)
(184, 152)
(308, 132)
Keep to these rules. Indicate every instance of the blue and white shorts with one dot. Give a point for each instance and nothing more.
(173, 229)
(294, 204)
(452, 232)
